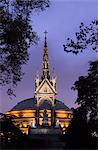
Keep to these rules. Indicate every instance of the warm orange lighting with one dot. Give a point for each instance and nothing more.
(25, 124)
(40, 121)
(49, 114)
(62, 124)
(27, 114)
(22, 113)
(66, 124)
(61, 115)
(24, 118)
(70, 116)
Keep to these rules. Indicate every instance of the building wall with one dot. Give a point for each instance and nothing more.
(23, 118)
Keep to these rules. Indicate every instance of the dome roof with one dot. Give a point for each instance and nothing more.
(60, 105)
(31, 104)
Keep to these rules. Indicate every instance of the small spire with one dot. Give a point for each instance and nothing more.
(37, 74)
(53, 73)
(45, 44)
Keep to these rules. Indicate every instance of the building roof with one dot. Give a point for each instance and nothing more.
(31, 104)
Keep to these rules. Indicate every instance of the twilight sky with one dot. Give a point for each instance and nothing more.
(61, 20)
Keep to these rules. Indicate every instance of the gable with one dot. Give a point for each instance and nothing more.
(45, 87)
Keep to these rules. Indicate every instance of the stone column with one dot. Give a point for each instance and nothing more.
(52, 117)
(37, 117)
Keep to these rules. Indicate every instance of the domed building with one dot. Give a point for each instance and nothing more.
(44, 102)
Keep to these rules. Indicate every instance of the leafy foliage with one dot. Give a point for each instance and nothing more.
(78, 135)
(87, 87)
(82, 132)
(87, 36)
(16, 36)
(11, 136)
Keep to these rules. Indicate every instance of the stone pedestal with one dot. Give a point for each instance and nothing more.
(50, 131)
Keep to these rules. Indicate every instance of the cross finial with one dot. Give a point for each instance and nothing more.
(45, 33)
(45, 38)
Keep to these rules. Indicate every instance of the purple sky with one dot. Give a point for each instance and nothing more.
(61, 20)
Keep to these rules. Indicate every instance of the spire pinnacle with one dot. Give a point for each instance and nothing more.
(53, 73)
(37, 74)
(45, 44)
(45, 64)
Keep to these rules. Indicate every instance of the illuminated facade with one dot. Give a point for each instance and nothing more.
(32, 110)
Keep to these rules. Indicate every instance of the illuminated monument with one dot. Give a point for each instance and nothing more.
(44, 109)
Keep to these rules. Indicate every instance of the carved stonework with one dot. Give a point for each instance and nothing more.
(45, 89)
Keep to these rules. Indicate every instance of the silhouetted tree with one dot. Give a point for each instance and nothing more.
(78, 135)
(83, 126)
(11, 137)
(16, 36)
(87, 36)
(87, 87)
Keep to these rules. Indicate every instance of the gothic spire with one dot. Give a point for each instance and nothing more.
(45, 65)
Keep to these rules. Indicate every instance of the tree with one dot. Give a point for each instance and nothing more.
(87, 36)
(83, 129)
(16, 36)
(78, 135)
(11, 136)
(87, 87)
